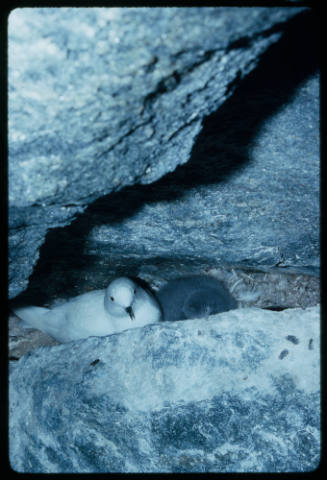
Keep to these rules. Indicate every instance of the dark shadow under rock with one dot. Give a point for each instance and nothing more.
(143, 147)
(247, 198)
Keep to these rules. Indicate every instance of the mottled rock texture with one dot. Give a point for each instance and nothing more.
(238, 392)
(99, 100)
(156, 143)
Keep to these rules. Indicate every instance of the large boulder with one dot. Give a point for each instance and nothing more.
(99, 99)
(239, 392)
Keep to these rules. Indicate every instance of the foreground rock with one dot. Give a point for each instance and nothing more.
(238, 392)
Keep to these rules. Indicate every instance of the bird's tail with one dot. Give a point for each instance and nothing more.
(31, 317)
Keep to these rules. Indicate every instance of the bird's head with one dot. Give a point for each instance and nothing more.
(120, 296)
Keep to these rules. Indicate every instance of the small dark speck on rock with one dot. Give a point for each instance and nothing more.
(293, 339)
(283, 354)
(95, 362)
(310, 346)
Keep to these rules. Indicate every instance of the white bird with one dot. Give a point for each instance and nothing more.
(122, 305)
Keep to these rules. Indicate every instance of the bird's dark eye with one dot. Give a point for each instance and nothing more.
(134, 290)
(112, 299)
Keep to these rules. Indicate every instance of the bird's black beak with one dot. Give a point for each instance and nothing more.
(130, 312)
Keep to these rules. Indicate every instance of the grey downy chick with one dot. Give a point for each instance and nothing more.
(196, 296)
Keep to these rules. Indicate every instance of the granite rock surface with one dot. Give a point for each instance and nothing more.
(192, 147)
(238, 392)
(99, 100)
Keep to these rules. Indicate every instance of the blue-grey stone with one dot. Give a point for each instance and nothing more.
(193, 396)
(99, 99)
